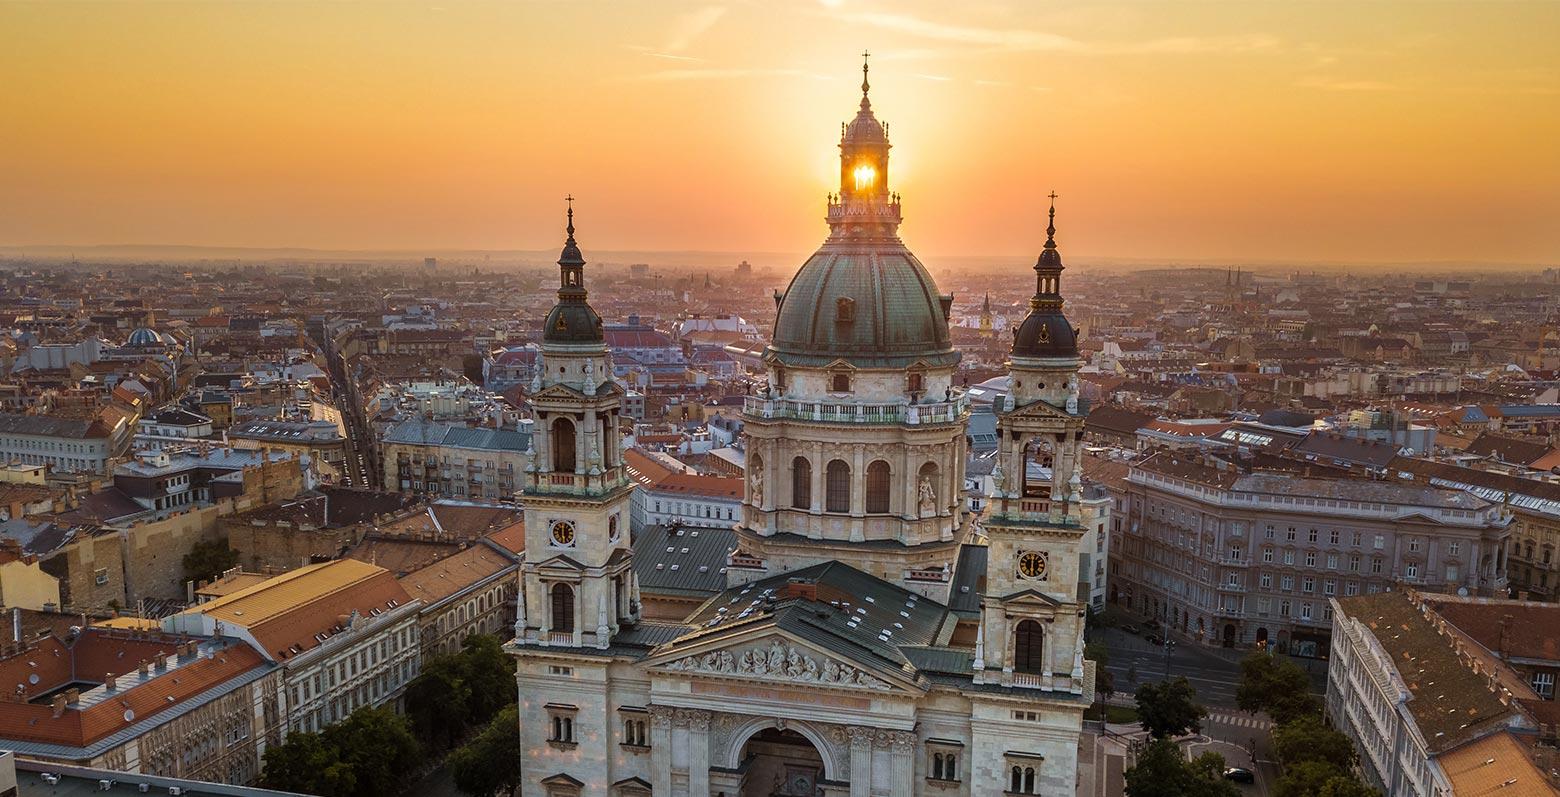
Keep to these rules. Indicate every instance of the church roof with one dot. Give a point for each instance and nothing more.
(871, 304)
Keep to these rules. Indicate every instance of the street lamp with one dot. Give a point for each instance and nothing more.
(1168, 645)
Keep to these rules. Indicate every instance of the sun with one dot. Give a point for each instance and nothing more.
(865, 177)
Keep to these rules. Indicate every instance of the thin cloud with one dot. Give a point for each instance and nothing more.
(938, 78)
(1333, 84)
(689, 27)
(673, 75)
(1019, 39)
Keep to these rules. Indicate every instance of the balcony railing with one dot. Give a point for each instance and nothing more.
(839, 412)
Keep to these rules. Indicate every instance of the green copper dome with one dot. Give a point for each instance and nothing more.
(872, 304)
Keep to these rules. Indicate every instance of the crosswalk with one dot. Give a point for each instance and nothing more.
(1240, 720)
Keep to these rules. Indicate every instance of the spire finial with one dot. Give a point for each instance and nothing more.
(570, 199)
(865, 86)
(1050, 229)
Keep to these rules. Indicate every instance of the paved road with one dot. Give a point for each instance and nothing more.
(1215, 672)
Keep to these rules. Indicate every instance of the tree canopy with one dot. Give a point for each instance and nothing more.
(456, 692)
(1169, 708)
(208, 559)
(1309, 739)
(1275, 684)
(489, 764)
(1162, 771)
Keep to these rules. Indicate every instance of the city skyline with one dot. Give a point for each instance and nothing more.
(1202, 133)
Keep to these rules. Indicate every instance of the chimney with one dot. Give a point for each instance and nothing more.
(58, 705)
(73, 695)
(16, 625)
(108, 681)
(144, 668)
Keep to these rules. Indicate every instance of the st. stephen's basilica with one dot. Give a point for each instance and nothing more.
(854, 634)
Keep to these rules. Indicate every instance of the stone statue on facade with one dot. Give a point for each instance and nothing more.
(926, 496)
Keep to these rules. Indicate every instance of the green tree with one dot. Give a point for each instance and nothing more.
(1306, 779)
(1346, 786)
(1277, 685)
(306, 764)
(1169, 708)
(1162, 771)
(489, 674)
(438, 701)
(207, 559)
(379, 745)
(489, 764)
(1309, 739)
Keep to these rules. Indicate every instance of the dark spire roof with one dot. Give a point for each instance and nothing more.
(1046, 332)
(572, 319)
(866, 104)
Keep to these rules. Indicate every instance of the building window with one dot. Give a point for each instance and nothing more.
(1332, 561)
(801, 483)
(1266, 580)
(1375, 564)
(634, 734)
(1351, 588)
(1413, 544)
(1308, 584)
(1022, 780)
(562, 434)
(839, 382)
(560, 720)
(1452, 548)
(1311, 536)
(1267, 554)
(1451, 573)
(1029, 648)
(1310, 559)
(1332, 537)
(1288, 583)
(1411, 572)
(1380, 542)
(837, 486)
(1354, 563)
(1289, 557)
(563, 608)
(1544, 684)
(1290, 535)
(945, 765)
(1329, 587)
(877, 487)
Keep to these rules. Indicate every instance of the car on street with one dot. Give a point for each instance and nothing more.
(1153, 639)
(1240, 775)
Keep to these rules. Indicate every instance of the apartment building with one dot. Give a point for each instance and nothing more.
(1252, 559)
(454, 460)
(344, 634)
(1432, 711)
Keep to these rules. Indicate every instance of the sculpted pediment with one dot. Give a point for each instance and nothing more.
(776, 658)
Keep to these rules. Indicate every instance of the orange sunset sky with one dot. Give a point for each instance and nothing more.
(1270, 131)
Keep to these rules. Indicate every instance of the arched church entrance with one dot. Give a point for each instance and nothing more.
(780, 763)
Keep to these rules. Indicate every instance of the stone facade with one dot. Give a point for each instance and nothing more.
(1254, 559)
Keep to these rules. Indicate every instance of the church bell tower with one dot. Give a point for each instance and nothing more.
(578, 583)
(1032, 617)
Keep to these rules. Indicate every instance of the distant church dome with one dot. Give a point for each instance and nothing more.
(863, 297)
(144, 337)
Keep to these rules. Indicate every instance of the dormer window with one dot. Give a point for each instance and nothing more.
(845, 310)
(839, 382)
(916, 382)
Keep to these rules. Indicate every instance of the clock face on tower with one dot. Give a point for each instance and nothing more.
(563, 533)
(1031, 564)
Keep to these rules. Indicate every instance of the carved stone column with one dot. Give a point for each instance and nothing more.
(660, 750)
(902, 756)
(698, 751)
(860, 761)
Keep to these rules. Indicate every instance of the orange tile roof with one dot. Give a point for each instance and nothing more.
(290, 610)
(449, 576)
(1497, 764)
(87, 722)
(511, 538)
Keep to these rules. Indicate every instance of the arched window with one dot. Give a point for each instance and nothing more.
(1017, 783)
(877, 487)
(1029, 647)
(837, 487)
(562, 608)
(937, 766)
(801, 483)
(563, 445)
